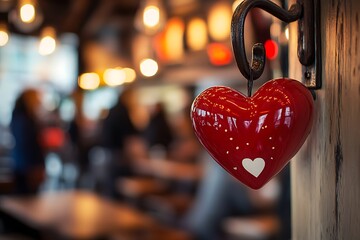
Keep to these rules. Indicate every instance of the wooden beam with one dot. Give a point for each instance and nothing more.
(326, 172)
(79, 13)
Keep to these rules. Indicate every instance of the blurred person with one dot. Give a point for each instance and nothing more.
(186, 147)
(120, 137)
(27, 154)
(77, 134)
(158, 132)
(118, 126)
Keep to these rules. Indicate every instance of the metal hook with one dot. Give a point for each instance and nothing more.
(256, 68)
(257, 64)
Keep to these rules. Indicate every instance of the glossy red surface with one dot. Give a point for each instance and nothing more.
(254, 138)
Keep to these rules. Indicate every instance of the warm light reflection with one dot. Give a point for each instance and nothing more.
(114, 76)
(4, 35)
(89, 81)
(27, 13)
(130, 75)
(151, 16)
(219, 21)
(169, 44)
(47, 43)
(196, 35)
(148, 67)
(271, 48)
(174, 39)
(4, 38)
(236, 3)
(287, 33)
(26, 16)
(261, 122)
(219, 54)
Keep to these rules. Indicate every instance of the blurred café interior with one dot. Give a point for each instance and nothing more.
(96, 141)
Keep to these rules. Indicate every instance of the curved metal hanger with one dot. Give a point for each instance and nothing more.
(302, 10)
(257, 65)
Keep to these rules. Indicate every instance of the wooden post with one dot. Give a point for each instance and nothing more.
(326, 172)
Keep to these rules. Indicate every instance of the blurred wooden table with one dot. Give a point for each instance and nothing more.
(170, 169)
(75, 215)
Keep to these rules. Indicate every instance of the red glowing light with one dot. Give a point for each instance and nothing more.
(272, 49)
(53, 137)
(219, 54)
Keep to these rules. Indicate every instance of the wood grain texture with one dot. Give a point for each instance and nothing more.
(326, 171)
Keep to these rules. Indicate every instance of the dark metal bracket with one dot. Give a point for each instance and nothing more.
(309, 43)
(307, 14)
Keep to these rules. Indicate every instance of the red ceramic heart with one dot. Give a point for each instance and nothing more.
(253, 138)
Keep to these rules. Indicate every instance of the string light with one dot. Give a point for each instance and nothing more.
(47, 43)
(219, 21)
(148, 67)
(151, 17)
(130, 75)
(4, 35)
(196, 36)
(27, 13)
(114, 76)
(173, 40)
(89, 81)
(26, 16)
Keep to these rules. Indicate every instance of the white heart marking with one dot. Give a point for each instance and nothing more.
(254, 167)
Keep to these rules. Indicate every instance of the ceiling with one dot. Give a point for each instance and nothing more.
(96, 19)
(87, 17)
(82, 17)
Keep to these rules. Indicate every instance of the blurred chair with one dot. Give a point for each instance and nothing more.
(252, 228)
(220, 197)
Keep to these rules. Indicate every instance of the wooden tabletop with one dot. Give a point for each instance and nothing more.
(169, 169)
(74, 214)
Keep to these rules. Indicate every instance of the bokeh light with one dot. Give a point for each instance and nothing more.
(148, 67)
(89, 81)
